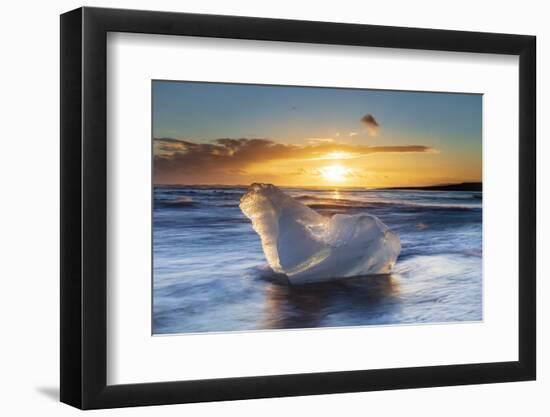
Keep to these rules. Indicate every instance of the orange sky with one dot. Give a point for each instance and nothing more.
(327, 164)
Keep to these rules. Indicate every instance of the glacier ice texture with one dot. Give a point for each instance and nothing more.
(308, 247)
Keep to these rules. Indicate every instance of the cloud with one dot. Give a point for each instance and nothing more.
(320, 140)
(353, 134)
(178, 160)
(371, 124)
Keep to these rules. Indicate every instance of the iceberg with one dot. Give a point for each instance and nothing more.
(308, 247)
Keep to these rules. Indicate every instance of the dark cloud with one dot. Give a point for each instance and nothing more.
(178, 160)
(371, 124)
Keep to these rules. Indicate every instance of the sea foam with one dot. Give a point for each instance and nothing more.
(308, 247)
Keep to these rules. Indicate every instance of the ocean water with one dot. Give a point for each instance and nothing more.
(210, 273)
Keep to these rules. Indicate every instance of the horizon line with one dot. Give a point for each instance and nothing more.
(315, 186)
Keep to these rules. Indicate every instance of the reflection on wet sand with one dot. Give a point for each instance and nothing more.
(324, 304)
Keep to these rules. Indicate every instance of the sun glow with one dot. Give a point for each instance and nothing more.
(334, 173)
(339, 155)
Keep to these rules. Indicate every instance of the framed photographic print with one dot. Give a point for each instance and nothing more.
(258, 207)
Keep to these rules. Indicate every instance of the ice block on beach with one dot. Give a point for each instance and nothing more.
(308, 247)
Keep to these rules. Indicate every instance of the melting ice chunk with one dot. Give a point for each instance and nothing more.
(307, 247)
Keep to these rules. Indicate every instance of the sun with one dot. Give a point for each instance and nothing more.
(334, 173)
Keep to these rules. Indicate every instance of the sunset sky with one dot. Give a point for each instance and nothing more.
(214, 133)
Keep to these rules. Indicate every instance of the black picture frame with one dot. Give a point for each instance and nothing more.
(84, 207)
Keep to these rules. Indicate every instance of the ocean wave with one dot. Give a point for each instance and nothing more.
(183, 201)
(397, 205)
(341, 203)
(431, 206)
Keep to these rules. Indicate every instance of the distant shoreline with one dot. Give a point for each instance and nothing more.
(463, 186)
